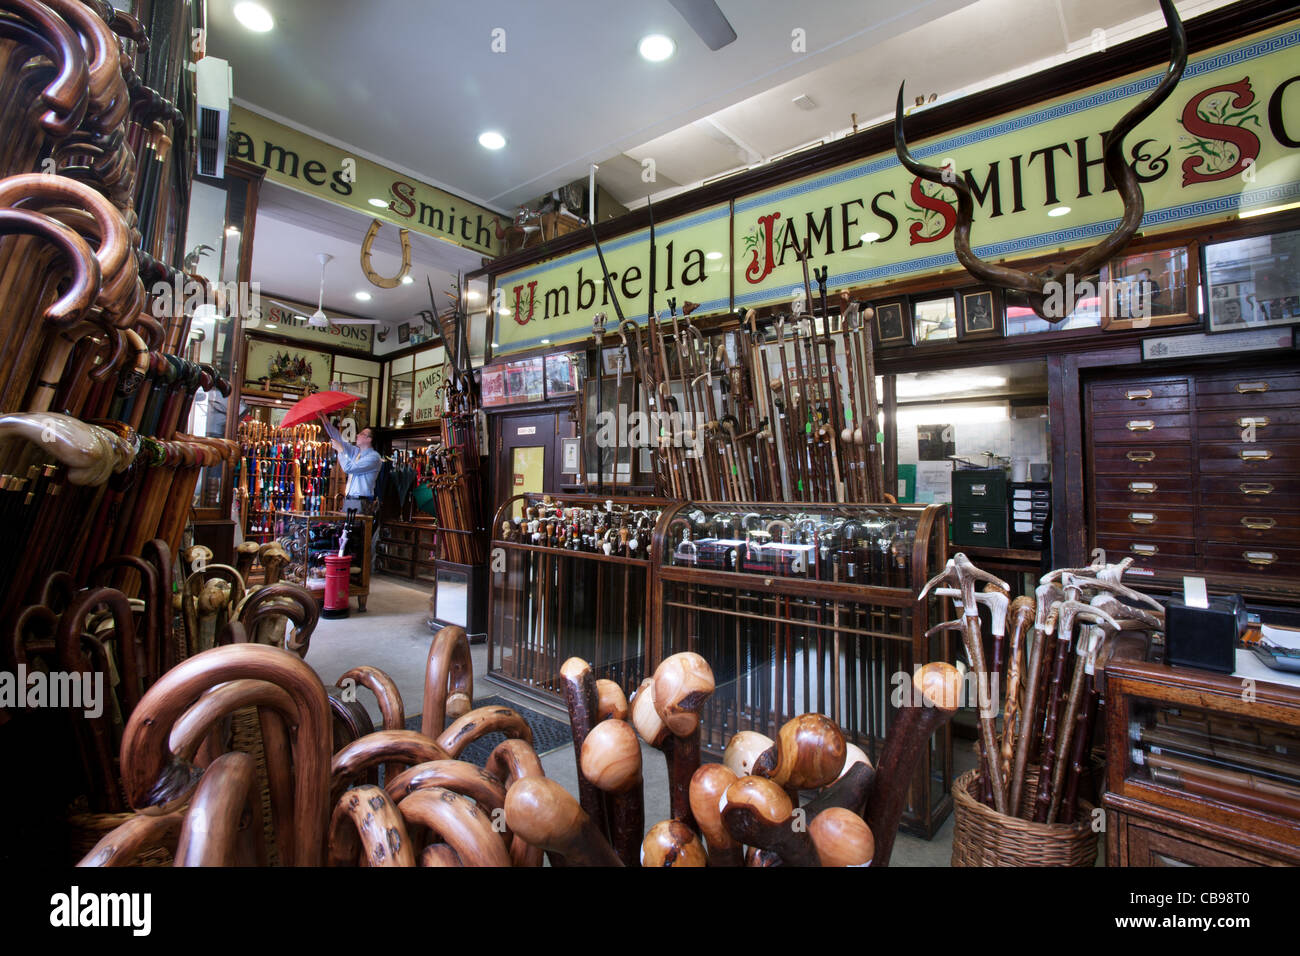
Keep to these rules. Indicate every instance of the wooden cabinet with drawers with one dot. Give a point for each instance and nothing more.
(407, 549)
(1197, 471)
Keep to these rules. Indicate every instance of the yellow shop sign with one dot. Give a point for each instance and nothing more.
(304, 163)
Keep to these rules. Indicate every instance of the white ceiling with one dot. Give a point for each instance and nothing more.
(413, 84)
(292, 228)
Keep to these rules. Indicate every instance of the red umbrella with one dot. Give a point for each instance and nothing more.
(308, 408)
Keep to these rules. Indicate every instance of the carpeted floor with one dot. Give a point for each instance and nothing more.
(548, 734)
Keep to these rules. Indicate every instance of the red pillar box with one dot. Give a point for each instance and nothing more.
(337, 572)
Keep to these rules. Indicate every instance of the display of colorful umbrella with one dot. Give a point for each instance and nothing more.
(304, 410)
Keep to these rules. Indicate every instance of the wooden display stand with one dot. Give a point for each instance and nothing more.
(1155, 822)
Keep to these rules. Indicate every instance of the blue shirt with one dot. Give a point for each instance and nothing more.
(361, 465)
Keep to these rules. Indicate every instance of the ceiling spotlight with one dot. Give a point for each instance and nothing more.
(271, 326)
(491, 139)
(656, 47)
(546, 341)
(713, 255)
(254, 17)
(232, 230)
(1059, 211)
(495, 345)
(869, 236)
(378, 203)
(407, 280)
(363, 296)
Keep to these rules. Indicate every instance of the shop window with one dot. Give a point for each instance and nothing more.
(1253, 282)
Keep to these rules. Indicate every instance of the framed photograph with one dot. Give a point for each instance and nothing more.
(404, 333)
(610, 358)
(564, 373)
(1149, 289)
(980, 314)
(934, 318)
(525, 381)
(893, 323)
(1254, 282)
(571, 456)
(493, 384)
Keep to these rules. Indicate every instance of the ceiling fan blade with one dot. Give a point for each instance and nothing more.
(357, 322)
(704, 17)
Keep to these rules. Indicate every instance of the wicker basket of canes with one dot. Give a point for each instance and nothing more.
(983, 837)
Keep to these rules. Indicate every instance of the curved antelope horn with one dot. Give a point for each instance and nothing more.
(459, 822)
(367, 826)
(66, 93)
(211, 834)
(157, 780)
(1032, 285)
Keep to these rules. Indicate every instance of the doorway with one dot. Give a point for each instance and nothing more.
(526, 457)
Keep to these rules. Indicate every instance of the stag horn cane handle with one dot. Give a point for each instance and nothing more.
(367, 827)
(89, 452)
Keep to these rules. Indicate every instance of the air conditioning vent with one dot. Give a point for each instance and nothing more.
(213, 83)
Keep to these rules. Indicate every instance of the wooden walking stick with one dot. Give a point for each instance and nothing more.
(544, 814)
(1021, 616)
(457, 821)
(367, 829)
(708, 784)
(578, 683)
(1046, 611)
(212, 834)
(611, 760)
(672, 843)
(757, 812)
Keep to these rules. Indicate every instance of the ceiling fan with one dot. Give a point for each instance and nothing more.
(318, 319)
(704, 17)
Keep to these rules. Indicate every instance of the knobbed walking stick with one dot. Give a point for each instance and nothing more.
(544, 814)
(708, 785)
(578, 682)
(611, 761)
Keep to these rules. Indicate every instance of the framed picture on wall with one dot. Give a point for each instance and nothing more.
(1254, 282)
(571, 456)
(979, 314)
(404, 333)
(1149, 290)
(892, 323)
(934, 318)
(564, 373)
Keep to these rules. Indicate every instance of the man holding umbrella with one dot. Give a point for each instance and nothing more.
(360, 462)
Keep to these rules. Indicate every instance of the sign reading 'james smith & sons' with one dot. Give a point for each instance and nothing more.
(304, 163)
(1226, 142)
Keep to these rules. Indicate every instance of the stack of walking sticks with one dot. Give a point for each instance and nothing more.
(1034, 766)
(786, 410)
(754, 799)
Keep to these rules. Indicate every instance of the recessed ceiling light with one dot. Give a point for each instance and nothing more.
(546, 341)
(363, 296)
(378, 203)
(491, 139)
(1059, 211)
(713, 255)
(869, 236)
(270, 326)
(656, 47)
(407, 280)
(254, 16)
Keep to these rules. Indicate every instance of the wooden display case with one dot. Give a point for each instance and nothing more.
(550, 601)
(308, 538)
(1198, 774)
(807, 608)
(408, 549)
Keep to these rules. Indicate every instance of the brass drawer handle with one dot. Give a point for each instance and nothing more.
(1255, 488)
(1143, 487)
(1144, 549)
(1258, 524)
(1254, 454)
(1257, 422)
(1246, 387)
(1141, 456)
(1141, 517)
(1135, 393)
(1259, 557)
(1143, 425)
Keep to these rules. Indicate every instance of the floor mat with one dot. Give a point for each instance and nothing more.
(548, 733)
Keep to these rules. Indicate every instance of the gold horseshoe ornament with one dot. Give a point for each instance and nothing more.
(375, 278)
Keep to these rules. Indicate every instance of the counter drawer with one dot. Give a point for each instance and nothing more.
(1231, 425)
(1139, 428)
(1167, 522)
(1122, 396)
(1143, 461)
(1122, 490)
(1250, 458)
(1266, 560)
(1251, 527)
(1261, 494)
(1153, 554)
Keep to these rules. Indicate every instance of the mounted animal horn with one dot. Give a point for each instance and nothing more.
(1039, 288)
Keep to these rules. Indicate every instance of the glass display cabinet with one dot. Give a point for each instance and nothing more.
(1203, 769)
(309, 538)
(806, 607)
(569, 576)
